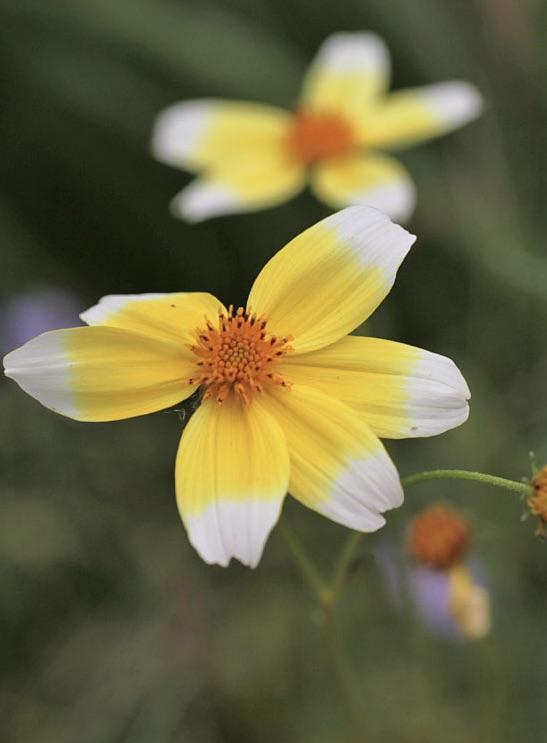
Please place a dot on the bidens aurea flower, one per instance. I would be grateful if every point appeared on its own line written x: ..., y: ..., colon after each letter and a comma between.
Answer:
x: 289, y: 401
x: 251, y: 156
x: 447, y: 594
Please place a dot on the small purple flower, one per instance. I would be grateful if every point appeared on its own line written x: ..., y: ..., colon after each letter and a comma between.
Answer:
x: 36, y: 311
x: 430, y: 590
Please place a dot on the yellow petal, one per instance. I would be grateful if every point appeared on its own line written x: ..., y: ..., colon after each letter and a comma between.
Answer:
x: 101, y: 373
x: 374, y: 180
x: 469, y: 604
x: 401, y: 391
x: 409, y: 116
x: 329, y: 279
x: 338, y: 466
x: 205, y: 133
x: 172, y: 317
x: 268, y: 178
x: 349, y: 71
x: 232, y: 475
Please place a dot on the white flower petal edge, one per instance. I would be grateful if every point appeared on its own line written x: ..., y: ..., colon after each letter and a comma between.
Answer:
x: 452, y: 103
x: 231, y: 475
x: 349, y: 70
x: 362, y: 492
x: 397, y: 199
x: 232, y: 529
x: 339, y: 468
x: 203, y: 199
x: 377, y: 181
x: 178, y: 131
x: 110, y: 304
x: 354, y: 51
x: 331, y: 277
x: 41, y: 368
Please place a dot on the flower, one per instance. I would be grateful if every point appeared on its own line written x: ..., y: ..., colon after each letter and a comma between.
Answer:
x: 251, y: 156
x: 35, y: 311
x: 289, y: 400
x: 448, y: 598
x: 537, y: 502
x: 439, y: 537
x: 451, y: 603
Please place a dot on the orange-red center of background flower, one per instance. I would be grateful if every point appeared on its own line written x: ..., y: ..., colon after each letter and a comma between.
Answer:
x: 316, y: 136
x: 438, y: 537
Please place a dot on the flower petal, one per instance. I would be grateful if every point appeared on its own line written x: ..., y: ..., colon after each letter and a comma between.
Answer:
x: 232, y: 475
x: 269, y: 178
x: 330, y: 278
x: 101, y: 374
x: 409, y: 116
x: 401, y: 391
x: 349, y: 70
x: 374, y: 180
x: 204, y: 133
x: 338, y: 466
x: 173, y: 317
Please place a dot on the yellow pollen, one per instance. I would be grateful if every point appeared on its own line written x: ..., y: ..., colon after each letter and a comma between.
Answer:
x: 238, y: 356
x: 314, y: 137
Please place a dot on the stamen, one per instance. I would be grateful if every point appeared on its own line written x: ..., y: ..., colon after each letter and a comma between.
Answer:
x: 237, y: 356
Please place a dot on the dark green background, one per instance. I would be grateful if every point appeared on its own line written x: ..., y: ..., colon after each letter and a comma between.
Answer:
x: 113, y: 629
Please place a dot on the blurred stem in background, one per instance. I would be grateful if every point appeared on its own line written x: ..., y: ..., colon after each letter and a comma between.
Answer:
x: 327, y: 593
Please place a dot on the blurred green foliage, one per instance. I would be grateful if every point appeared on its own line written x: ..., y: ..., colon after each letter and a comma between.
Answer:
x: 113, y: 630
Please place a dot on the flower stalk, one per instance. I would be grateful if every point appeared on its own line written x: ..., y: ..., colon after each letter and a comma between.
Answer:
x: 327, y: 593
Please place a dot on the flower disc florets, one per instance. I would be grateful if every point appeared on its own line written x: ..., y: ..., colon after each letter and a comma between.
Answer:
x: 238, y: 356
x: 538, y: 500
x: 439, y: 537
x: 316, y: 136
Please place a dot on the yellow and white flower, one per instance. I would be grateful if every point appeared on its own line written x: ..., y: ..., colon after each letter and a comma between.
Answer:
x: 290, y: 401
x: 251, y: 156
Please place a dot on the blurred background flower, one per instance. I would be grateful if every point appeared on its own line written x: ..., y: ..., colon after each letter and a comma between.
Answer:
x: 32, y: 312
x: 116, y: 631
x: 449, y: 598
x: 253, y: 156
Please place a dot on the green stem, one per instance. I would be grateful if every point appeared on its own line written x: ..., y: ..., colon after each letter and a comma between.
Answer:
x: 342, y: 565
x: 309, y: 572
x: 326, y: 596
x: 498, y: 482
x: 354, y: 539
x: 343, y: 673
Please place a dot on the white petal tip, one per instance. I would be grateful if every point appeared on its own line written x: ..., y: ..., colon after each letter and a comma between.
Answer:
x: 361, y: 226
x: 367, y: 488
x: 177, y: 131
x: 396, y: 200
x: 199, y: 202
x: 230, y: 530
x: 344, y: 51
x: 40, y: 367
x: 454, y: 103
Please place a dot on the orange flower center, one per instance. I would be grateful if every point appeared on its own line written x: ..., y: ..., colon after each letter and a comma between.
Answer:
x: 238, y: 356
x: 438, y: 537
x: 538, y: 500
x: 314, y: 137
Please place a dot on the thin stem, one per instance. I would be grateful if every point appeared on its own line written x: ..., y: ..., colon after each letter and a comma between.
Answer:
x: 326, y: 596
x: 342, y: 565
x: 499, y: 482
x: 343, y: 672
x: 353, y: 541
x: 309, y: 572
